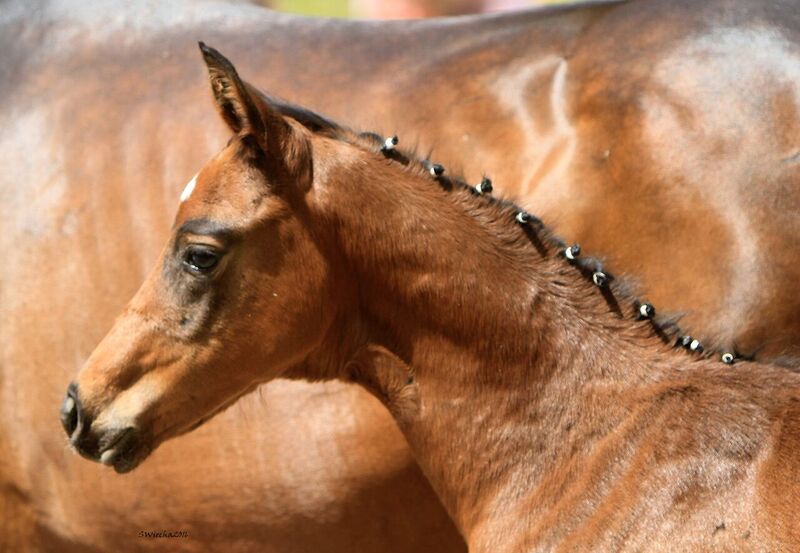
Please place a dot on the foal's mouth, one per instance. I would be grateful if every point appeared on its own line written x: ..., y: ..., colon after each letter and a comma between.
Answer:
x: 124, y: 450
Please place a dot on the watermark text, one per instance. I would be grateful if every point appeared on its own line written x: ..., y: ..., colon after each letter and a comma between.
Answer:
x: 163, y: 534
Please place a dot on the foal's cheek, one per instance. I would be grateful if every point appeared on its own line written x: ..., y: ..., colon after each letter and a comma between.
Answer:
x: 281, y: 327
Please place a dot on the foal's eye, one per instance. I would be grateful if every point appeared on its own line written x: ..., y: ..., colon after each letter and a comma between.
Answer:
x: 201, y: 259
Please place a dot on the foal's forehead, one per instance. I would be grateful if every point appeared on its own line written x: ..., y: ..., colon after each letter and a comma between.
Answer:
x: 226, y: 189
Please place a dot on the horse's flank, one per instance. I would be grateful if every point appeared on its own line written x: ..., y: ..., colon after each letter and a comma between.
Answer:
x: 614, y: 121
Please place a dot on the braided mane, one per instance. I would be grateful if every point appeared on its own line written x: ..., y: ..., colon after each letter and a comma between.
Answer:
x: 619, y: 293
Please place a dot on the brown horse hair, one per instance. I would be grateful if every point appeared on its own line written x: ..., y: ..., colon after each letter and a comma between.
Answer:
x: 620, y: 294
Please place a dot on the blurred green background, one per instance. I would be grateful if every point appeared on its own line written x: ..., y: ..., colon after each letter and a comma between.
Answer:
x: 328, y: 8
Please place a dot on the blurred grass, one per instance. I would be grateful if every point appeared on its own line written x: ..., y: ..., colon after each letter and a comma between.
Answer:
x: 326, y: 8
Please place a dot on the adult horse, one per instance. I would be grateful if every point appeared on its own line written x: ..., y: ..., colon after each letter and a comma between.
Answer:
x: 654, y: 132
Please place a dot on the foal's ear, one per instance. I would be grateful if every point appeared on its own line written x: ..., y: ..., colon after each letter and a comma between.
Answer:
x: 247, y: 113
x: 237, y: 104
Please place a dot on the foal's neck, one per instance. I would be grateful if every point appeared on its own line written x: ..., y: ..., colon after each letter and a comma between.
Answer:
x: 490, y: 353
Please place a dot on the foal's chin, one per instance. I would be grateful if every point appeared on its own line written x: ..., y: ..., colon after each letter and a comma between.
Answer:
x: 131, y: 446
x: 127, y: 449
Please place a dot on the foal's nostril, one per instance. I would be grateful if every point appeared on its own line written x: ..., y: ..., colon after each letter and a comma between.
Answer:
x: 70, y: 411
x: 77, y: 424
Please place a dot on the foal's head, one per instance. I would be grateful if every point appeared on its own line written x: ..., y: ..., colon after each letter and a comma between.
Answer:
x: 243, y: 291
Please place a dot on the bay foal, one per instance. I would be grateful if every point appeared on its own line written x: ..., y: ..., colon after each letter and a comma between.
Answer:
x: 547, y: 407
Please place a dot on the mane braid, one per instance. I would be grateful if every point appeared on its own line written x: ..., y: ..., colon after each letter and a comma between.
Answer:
x: 618, y: 293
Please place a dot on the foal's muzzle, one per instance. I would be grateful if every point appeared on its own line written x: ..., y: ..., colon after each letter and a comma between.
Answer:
x: 117, y: 448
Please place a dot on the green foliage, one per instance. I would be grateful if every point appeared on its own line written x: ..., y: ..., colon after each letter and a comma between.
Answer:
x: 325, y: 8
